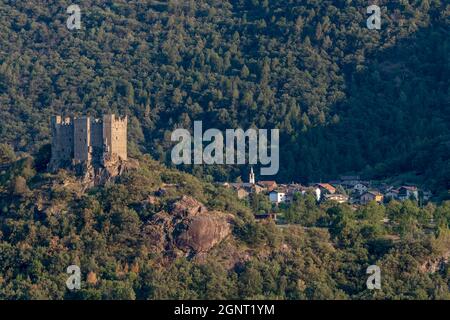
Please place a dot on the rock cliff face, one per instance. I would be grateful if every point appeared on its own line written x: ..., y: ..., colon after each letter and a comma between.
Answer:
x: 187, y: 229
x: 203, y: 232
x: 111, y: 169
x: 437, y: 264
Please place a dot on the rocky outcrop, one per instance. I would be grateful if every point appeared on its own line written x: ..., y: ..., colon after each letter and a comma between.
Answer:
x: 187, y: 229
x: 187, y: 206
x: 95, y: 176
x: 437, y: 264
x: 157, y: 233
x: 203, y: 232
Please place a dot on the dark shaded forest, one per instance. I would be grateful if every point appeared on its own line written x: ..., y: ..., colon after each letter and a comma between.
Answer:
x: 346, y: 98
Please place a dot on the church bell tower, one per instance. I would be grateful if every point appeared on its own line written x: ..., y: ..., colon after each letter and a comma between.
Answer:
x: 251, y: 176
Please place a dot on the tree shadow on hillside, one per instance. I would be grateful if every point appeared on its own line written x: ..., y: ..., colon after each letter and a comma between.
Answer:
x: 395, y: 119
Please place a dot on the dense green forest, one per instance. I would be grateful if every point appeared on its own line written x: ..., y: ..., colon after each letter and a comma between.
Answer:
x: 48, y: 223
x: 346, y: 98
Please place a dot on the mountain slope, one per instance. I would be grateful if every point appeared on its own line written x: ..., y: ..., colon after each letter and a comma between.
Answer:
x: 346, y: 99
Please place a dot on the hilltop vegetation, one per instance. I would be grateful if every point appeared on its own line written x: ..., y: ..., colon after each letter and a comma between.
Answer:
x: 344, y: 97
x: 47, y: 223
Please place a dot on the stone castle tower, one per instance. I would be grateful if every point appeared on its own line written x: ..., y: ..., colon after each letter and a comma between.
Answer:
x: 88, y: 141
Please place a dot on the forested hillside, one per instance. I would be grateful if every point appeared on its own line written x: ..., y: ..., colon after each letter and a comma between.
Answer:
x: 347, y: 99
x: 128, y: 239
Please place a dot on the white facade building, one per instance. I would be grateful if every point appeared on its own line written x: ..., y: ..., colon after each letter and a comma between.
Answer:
x: 277, y: 197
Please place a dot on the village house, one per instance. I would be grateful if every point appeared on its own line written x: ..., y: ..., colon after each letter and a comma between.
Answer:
x: 360, y: 188
x: 391, y: 194
x: 295, y: 187
x: 339, y: 198
x: 268, y: 185
x: 266, y: 217
x: 408, y: 192
x: 325, y: 188
x: 244, y: 189
x: 371, y: 196
x: 292, y: 189
x: 321, y: 189
x: 277, y: 196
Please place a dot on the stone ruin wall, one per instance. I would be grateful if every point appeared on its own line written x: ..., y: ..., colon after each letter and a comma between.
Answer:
x: 62, y: 140
x: 85, y: 139
x: 82, y: 139
x: 115, y: 133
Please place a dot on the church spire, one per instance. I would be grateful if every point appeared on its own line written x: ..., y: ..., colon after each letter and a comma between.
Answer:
x: 251, y: 176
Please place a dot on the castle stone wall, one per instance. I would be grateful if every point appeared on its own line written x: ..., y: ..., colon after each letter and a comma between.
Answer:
x: 115, y: 133
x: 62, y: 140
x: 119, y: 138
x: 82, y: 139
x: 87, y: 140
x: 97, y: 134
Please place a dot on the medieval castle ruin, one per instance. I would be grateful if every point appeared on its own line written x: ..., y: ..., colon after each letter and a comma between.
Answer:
x: 87, y: 141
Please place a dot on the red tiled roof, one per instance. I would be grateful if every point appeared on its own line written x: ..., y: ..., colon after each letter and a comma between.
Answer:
x: 412, y: 188
x: 267, y: 183
x: 327, y: 186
